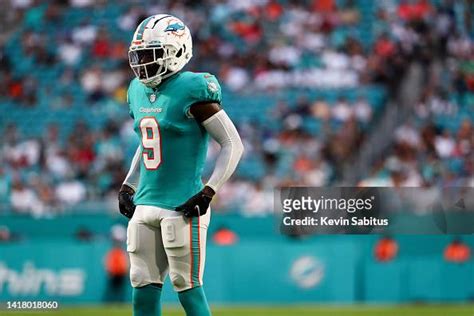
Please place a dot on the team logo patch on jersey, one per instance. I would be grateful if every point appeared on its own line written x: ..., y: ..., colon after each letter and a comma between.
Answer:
x: 212, y: 86
x: 152, y: 97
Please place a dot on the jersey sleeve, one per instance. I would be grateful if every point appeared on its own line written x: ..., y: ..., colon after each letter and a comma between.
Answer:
x: 129, y: 100
x: 205, y: 88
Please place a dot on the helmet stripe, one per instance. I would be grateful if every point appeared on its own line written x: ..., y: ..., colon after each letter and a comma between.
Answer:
x: 141, y: 28
x: 166, y: 16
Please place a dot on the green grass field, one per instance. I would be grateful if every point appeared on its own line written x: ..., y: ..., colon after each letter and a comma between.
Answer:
x: 408, y: 310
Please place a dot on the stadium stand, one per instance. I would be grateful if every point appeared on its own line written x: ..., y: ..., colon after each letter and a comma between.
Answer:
x: 304, y: 101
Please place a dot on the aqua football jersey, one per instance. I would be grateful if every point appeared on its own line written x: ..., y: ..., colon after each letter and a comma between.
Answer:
x: 174, y: 144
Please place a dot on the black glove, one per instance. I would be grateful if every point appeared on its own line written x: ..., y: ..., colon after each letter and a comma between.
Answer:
x: 198, y: 204
x: 125, y: 197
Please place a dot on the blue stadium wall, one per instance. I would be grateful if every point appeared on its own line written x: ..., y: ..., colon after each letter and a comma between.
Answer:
x: 262, y: 267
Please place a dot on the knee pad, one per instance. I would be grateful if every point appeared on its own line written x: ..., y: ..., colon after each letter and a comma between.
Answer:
x: 182, y: 282
x: 137, y: 277
x: 179, y: 282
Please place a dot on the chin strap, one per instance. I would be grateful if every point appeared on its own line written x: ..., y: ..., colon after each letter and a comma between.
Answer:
x: 156, y: 82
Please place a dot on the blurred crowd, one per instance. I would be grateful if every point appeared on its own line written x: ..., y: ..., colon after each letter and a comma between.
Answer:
x: 59, y: 173
x: 68, y: 56
x: 435, y: 145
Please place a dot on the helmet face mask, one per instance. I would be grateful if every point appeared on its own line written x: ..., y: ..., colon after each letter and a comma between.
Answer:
x: 161, y: 46
x: 148, y: 63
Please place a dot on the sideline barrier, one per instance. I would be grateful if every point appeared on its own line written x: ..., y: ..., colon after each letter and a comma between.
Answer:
x: 329, y: 269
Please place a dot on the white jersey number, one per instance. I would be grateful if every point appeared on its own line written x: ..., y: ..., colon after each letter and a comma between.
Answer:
x: 151, y: 142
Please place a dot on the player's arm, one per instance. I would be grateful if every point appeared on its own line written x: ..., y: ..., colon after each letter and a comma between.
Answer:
x: 129, y: 186
x: 221, y: 129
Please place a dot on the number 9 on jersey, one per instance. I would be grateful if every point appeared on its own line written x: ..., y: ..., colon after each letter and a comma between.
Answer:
x: 151, y: 142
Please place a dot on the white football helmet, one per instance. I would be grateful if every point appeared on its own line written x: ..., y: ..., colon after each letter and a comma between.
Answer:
x: 161, y: 46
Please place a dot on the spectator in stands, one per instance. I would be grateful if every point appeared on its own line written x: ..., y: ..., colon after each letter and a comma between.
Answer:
x: 414, y: 10
x: 320, y: 109
x: 342, y: 111
x: 69, y: 52
x: 385, y: 47
x: 362, y: 110
x: 5, y: 187
x: 92, y: 81
x: 262, y: 45
x: 70, y: 191
x: 24, y: 199
x: 259, y: 201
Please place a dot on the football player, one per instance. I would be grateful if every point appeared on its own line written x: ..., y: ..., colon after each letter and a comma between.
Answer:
x: 174, y: 113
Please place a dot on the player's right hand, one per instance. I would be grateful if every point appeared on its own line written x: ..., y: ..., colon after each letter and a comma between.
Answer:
x: 125, y: 197
x: 198, y: 204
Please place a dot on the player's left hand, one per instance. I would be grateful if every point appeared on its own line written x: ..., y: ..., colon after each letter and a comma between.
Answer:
x: 198, y: 204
